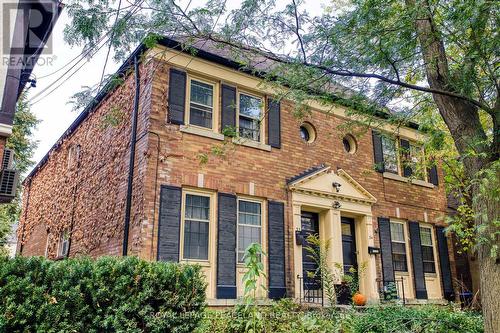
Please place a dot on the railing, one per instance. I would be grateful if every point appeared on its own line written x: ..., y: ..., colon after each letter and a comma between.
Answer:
x: 310, y: 291
x: 400, y: 290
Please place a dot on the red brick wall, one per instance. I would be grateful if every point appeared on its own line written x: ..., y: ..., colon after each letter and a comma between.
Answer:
x: 178, y: 164
x: 93, y: 194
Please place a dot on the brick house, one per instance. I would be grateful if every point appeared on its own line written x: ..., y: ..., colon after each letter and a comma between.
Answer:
x: 278, y: 181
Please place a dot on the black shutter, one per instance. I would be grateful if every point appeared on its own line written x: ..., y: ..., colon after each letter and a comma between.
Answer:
x: 418, y: 264
x: 176, y: 96
x: 384, y: 231
x: 169, y: 223
x: 433, y: 175
x: 444, y: 264
x: 228, y: 97
x: 274, y: 124
x: 226, y: 247
x: 378, y: 155
x: 405, y: 154
x: 276, y: 240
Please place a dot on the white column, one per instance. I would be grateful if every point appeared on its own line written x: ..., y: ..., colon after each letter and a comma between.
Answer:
x: 370, y: 278
x: 297, y: 250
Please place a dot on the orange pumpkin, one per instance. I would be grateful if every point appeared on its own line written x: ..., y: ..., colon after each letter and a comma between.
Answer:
x: 359, y: 299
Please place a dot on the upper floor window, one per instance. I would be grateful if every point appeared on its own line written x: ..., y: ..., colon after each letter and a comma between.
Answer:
x: 63, y: 247
x: 398, y: 247
x: 427, y: 250
x: 196, y: 226
x: 249, y: 119
x: 201, y: 103
x: 389, y: 151
x: 249, y: 225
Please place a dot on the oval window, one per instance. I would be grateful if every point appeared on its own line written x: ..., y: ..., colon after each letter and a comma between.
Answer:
x: 307, y: 132
x: 349, y: 144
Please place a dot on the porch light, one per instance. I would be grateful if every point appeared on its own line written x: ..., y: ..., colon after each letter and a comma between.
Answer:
x: 337, y: 186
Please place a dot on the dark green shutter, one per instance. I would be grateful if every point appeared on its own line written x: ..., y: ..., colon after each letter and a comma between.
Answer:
x: 417, y: 261
x: 444, y: 264
x: 228, y: 98
x: 226, y: 246
x: 276, y: 241
x: 378, y: 155
x: 176, y: 96
x: 433, y: 175
x: 274, y: 124
x: 169, y: 223
x: 384, y: 231
x: 405, y: 154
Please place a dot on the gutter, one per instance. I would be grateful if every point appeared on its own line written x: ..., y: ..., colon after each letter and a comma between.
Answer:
x: 133, y: 140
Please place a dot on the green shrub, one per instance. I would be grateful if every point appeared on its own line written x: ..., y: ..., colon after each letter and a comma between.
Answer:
x: 424, y: 318
x: 103, y: 295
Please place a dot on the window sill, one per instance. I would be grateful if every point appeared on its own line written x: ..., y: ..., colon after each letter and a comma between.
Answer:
x: 251, y: 144
x: 203, y: 263
x: 430, y: 275
x: 401, y: 273
x: 201, y: 132
x: 393, y: 176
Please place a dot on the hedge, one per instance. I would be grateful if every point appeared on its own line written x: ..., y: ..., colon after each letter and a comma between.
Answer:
x: 103, y: 295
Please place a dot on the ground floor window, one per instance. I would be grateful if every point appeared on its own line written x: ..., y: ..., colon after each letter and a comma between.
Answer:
x: 398, y: 247
x: 427, y: 250
x: 249, y: 225
x: 196, y: 225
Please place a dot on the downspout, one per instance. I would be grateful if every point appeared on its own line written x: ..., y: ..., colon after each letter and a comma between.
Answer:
x: 75, y: 191
x: 133, y: 138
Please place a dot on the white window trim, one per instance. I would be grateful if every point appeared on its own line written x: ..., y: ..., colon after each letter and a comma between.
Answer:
x: 262, y: 120
x: 261, y: 226
x: 211, y: 222
x: 215, y: 104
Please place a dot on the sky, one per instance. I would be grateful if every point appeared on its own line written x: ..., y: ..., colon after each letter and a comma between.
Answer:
x: 53, y: 110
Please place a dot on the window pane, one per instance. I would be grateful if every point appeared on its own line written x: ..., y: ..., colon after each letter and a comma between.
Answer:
x: 249, y: 128
x: 390, y: 156
x: 425, y: 236
x: 397, y: 232
x: 249, y: 213
x: 250, y: 106
x: 201, y: 93
x: 197, y: 207
x: 427, y: 253
x: 195, y: 240
x: 398, y: 247
x: 429, y: 267
x: 200, y: 116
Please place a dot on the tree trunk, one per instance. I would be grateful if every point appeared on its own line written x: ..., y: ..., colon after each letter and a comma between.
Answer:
x: 462, y: 119
x: 488, y: 210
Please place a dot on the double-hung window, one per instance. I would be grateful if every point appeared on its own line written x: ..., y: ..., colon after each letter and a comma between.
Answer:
x: 196, y: 226
x: 250, y: 113
x: 427, y: 250
x: 201, y: 103
x: 390, y: 154
x: 416, y: 161
x: 249, y: 225
x: 398, y: 247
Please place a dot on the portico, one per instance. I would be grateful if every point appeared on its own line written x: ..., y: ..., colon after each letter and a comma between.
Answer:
x: 341, y: 213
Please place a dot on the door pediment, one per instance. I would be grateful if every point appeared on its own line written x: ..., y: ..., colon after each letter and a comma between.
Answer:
x: 327, y: 183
